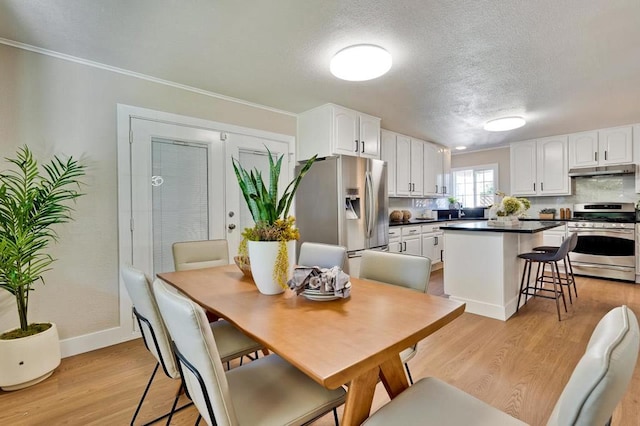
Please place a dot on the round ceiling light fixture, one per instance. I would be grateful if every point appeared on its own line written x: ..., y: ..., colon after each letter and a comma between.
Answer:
x: 360, y: 62
x: 504, y: 124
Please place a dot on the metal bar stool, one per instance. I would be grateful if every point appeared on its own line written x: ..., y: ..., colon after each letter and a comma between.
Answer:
x: 543, y: 259
x: 567, y: 278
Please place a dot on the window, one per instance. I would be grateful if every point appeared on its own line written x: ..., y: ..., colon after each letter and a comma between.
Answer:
x: 475, y: 186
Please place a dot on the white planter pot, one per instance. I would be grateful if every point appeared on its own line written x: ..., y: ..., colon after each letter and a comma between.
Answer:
x: 262, y: 255
x: 29, y: 360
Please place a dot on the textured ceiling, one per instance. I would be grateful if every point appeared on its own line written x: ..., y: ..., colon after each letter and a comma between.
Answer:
x: 565, y: 66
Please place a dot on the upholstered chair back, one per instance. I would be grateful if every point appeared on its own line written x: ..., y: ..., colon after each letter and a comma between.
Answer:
x: 398, y: 269
x: 191, y: 333
x: 144, y: 302
x: 200, y: 254
x: 603, y: 373
x: 322, y: 255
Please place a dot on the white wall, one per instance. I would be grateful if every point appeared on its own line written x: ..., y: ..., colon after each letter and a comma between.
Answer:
x: 61, y: 107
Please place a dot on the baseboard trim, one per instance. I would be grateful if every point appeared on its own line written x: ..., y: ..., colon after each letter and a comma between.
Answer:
x: 98, y: 340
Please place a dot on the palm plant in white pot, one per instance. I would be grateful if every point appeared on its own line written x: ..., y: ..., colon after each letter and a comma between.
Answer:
x: 270, y: 244
x: 32, y: 201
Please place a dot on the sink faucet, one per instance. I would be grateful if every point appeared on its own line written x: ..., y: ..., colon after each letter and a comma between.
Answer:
x: 460, y: 212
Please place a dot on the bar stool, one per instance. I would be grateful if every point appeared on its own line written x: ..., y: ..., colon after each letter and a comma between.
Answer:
x: 568, y: 278
x: 543, y: 259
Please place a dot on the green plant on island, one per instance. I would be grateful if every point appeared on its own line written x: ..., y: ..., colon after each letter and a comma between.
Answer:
x: 270, y: 212
x: 32, y: 201
x: 512, y: 206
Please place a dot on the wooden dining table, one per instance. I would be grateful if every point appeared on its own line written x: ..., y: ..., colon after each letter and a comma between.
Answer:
x: 352, y: 341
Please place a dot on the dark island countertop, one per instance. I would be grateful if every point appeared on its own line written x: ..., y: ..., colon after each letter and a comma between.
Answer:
x: 428, y: 221
x: 524, y: 227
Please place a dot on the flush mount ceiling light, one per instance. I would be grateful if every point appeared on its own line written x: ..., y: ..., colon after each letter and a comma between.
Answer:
x: 461, y: 148
x: 504, y: 124
x: 360, y: 62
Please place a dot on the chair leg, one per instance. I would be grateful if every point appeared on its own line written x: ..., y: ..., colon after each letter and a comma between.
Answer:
x: 335, y: 417
x: 567, y: 278
x: 198, y: 420
x: 527, y: 264
x: 564, y: 301
x: 406, y: 367
x: 555, y: 292
x: 573, y: 278
x: 144, y: 394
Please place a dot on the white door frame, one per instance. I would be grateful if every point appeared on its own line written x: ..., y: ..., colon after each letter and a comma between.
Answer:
x: 127, y: 329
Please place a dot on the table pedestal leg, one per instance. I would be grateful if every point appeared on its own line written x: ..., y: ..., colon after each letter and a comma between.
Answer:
x: 393, y: 377
x: 360, y: 398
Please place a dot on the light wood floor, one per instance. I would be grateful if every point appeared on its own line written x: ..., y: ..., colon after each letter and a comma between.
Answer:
x: 519, y: 366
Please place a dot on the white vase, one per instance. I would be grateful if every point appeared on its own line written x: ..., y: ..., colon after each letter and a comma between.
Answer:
x: 29, y: 360
x: 262, y: 255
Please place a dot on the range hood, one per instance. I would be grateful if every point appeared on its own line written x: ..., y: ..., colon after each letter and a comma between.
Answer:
x: 603, y: 171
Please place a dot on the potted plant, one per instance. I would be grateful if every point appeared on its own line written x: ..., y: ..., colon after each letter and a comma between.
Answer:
x: 547, y: 213
x: 452, y: 202
x: 509, y: 209
x: 32, y: 200
x: 270, y: 244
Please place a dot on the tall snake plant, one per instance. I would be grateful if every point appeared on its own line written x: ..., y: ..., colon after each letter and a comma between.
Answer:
x: 31, y: 202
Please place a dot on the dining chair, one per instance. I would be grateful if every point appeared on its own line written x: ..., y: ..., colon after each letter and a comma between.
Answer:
x: 231, y: 342
x: 593, y: 391
x: 398, y: 269
x: 267, y: 391
x: 189, y: 255
x: 322, y: 255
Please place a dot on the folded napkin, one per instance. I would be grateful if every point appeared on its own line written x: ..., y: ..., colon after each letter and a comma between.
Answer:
x: 327, y: 281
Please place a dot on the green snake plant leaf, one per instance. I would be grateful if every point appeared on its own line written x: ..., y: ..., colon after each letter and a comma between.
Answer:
x: 296, y: 182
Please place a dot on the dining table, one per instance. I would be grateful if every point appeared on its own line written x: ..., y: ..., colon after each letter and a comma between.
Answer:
x: 352, y: 342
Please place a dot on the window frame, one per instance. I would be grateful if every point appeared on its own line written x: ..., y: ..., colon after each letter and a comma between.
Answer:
x: 474, y: 169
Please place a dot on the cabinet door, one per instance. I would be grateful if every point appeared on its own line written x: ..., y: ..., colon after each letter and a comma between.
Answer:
x: 552, y: 238
x: 403, y: 165
x: 446, y: 172
x: 345, y: 131
x: 388, y: 154
x: 553, y: 166
x: 429, y: 247
x: 583, y: 150
x: 395, y: 246
x: 523, y: 168
x: 412, y: 245
x: 439, y: 248
x: 615, y: 146
x: 432, y: 167
x: 369, y: 136
x: 417, y: 167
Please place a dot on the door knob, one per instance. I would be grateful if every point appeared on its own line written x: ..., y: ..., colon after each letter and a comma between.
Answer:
x: 232, y: 226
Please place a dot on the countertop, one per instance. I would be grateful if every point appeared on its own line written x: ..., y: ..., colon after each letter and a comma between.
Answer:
x: 525, y: 227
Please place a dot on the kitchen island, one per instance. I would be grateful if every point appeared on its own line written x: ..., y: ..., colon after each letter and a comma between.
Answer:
x: 482, y: 268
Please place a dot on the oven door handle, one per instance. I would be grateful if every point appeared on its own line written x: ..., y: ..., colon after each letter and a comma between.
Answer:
x: 596, y: 266
x: 602, y: 231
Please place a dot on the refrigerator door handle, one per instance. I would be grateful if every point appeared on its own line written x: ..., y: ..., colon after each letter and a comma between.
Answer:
x: 370, y: 203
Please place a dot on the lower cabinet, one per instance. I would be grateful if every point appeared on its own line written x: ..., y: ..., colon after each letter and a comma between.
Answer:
x: 433, y: 246
x: 405, y: 239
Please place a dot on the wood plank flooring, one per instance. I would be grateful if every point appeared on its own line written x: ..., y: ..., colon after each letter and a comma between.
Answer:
x: 519, y: 366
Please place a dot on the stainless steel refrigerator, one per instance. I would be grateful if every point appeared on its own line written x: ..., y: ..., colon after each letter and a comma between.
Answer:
x: 343, y: 200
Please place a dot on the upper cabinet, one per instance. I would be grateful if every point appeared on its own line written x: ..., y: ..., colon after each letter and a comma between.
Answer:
x: 540, y: 167
x: 333, y: 130
x: 606, y: 147
x: 416, y: 168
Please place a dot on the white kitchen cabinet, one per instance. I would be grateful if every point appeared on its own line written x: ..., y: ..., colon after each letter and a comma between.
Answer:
x: 405, y: 239
x: 540, y: 167
x: 331, y: 130
x: 432, y: 169
x: 433, y: 246
x: 606, y: 147
x: 388, y: 154
x: 409, y: 166
x: 445, y: 177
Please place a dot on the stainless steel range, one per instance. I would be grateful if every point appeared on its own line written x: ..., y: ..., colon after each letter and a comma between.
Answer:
x: 606, y: 240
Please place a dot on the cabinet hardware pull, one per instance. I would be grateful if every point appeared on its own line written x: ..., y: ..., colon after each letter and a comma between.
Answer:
x: 400, y: 250
x: 534, y: 186
x: 541, y: 186
x: 435, y: 241
x: 595, y: 155
x: 362, y: 151
x: 405, y: 246
x: 356, y: 146
x: 436, y: 188
x: 409, y: 186
x: 441, y: 253
x: 605, y: 156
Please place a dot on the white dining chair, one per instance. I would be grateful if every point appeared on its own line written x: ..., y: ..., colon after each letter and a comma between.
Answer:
x: 595, y: 388
x: 322, y: 255
x: 231, y: 342
x: 398, y: 269
x: 267, y: 391
x: 189, y: 255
